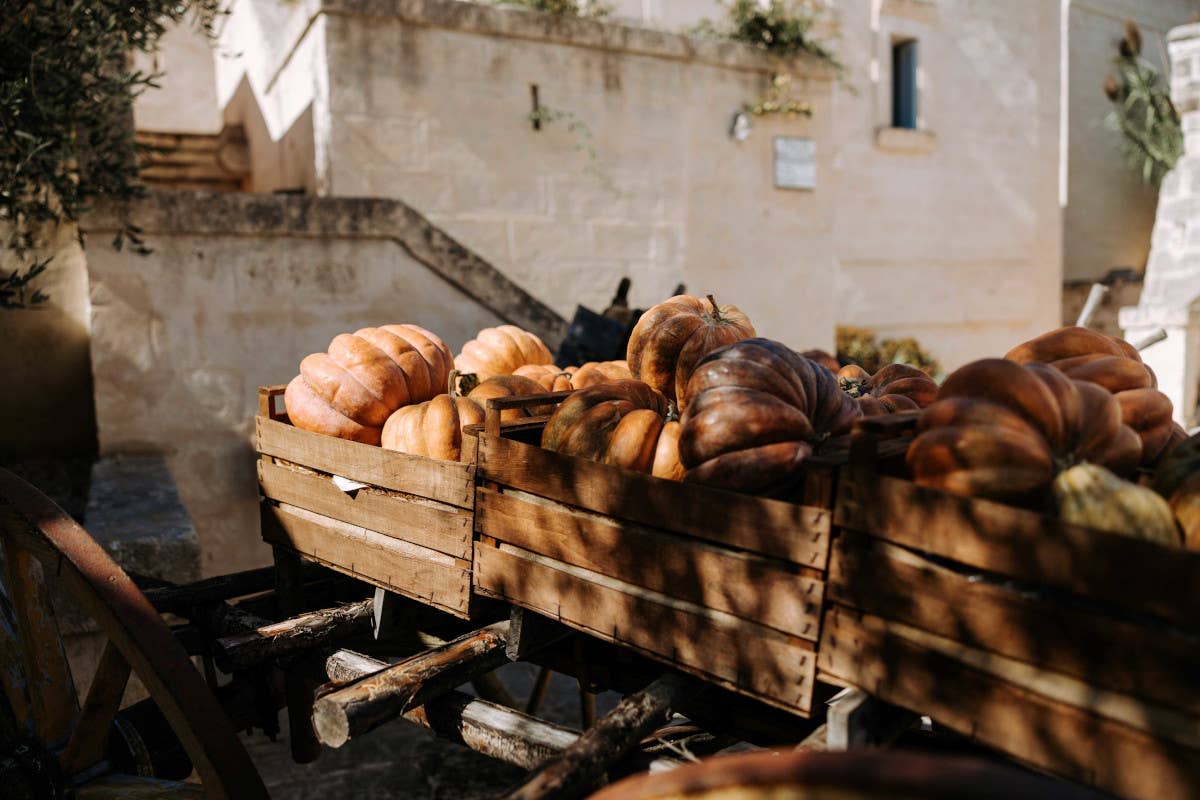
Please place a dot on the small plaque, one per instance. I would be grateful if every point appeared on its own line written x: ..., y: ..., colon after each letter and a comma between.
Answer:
x: 795, y: 163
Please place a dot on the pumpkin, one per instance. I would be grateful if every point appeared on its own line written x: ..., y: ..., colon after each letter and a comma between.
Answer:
x: 1090, y: 495
x: 756, y: 412
x: 1177, y: 478
x: 1069, y: 342
x: 351, y: 390
x: 670, y: 340
x: 548, y: 376
x: 1115, y: 364
x: 622, y: 423
x: 895, y: 387
x: 433, y: 428
x: 501, y: 351
x: 509, y: 386
x: 1002, y: 430
x: 595, y: 372
x: 823, y: 358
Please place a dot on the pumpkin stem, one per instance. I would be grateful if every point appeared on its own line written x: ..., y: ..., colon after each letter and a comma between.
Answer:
x: 716, y: 309
x: 672, y: 411
x: 461, y: 383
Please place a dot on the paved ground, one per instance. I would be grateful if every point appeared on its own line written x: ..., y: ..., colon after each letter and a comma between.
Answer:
x: 401, y: 760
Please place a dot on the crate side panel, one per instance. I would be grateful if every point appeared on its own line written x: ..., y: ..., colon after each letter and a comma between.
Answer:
x: 425, y: 575
x: 766, y: 591
x: 445, y: 481
x: 795, y: 533
x: 438, y: 526
x: 746, y: 658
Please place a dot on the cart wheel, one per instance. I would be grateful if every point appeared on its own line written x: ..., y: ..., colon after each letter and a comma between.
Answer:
x: 854, y: 775
x: 50, y: 744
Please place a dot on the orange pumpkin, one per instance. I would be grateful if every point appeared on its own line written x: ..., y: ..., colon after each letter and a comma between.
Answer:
x: 548, y: 376
x: 509, y: 386
x: 595, y: 372
x: 501, y: 351
x: 670, y: 339
x: 433, y: 428
x: 622, y: 423
x: 1113, y: 363
x: 757, y: 411
x: 895, y: 387
x: 1003, y: 431
x: 351, y: 390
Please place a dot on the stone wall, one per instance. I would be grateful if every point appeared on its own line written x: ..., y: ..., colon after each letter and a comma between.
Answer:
x: 238, y: 289
x: 951, y: 233
x: 634, y: 173
x: 46, y: 396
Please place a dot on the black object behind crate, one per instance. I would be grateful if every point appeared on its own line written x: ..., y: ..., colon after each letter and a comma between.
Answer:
x: 601, y: 337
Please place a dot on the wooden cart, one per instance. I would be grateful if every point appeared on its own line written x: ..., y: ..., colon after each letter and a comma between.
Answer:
x: 745, y: 614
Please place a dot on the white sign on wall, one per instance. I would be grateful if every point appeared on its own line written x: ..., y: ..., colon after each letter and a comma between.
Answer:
x: 795, y: 163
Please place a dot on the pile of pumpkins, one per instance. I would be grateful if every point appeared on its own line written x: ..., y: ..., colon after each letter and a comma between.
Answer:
x: 1069, y: 420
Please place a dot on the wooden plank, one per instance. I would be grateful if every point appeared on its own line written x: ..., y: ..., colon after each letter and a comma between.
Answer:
x: 293, y: 635
x: 53, y: 700
x: 1028, y: 726
x: 413, y: 571
x: 1131, y: 657
x: 747, y: 586
x: 445, y: 481
x: 438, y: 526
x: 772, y: 527
x: 1028, y: 546
x: 734, y: 653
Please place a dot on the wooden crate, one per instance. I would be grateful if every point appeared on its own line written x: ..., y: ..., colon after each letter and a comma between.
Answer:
x: 1073, y: 650
x: 409, y: 530
x: 724, y: 586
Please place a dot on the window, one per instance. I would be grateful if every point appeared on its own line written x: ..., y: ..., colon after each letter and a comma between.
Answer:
x: 904, y: 84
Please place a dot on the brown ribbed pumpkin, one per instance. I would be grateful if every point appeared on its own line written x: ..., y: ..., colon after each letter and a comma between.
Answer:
x: 757, y: 410
x: 622, y: 423
x: 895, y: 387
x: 509, y: 386
x: 1115, y: 364
x: 351, y: 390
x: 501, y: 351
x: 594, y: 372
x: 671, y: 338
x: 1003, y: 431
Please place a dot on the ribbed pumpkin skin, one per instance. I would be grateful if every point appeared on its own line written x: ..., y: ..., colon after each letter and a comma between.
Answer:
x: 1092, y: 496
x: 895, y: 387
x: 509, y: 386
x: 825, y: 359
x: 594, y: 372
x: 618, y: 423
x: 501, y: 351
x: 1086, y: 355
x: 350, y: 390
x: 666, y: 453
x: 757, y: 410
x: 1003, y: 431
x: 548, y: 376
x: 670, y: 340
x: 433, y: 428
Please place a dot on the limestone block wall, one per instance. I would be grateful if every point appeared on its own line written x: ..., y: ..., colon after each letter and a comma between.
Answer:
x: 952, y: 232
x: 237, y: 291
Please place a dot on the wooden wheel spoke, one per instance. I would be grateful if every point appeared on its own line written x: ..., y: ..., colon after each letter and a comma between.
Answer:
x: 53, y: 702
x: 18, y: 716
x: 90, y: 736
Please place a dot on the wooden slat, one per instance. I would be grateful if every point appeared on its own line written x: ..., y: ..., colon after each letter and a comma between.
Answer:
x: 751, y: 587
x: 733, y: 653
x: 1138, y: 659
x: 53, y: 699
x: 438, y: 526
x: 422, y: 574
x: 445, y: 481
x: 1129, y: 573
x: 1028, y: 726
x: 792, y: 532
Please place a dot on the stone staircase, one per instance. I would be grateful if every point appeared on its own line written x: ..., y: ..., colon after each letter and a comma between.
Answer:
x: 217, y: 162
